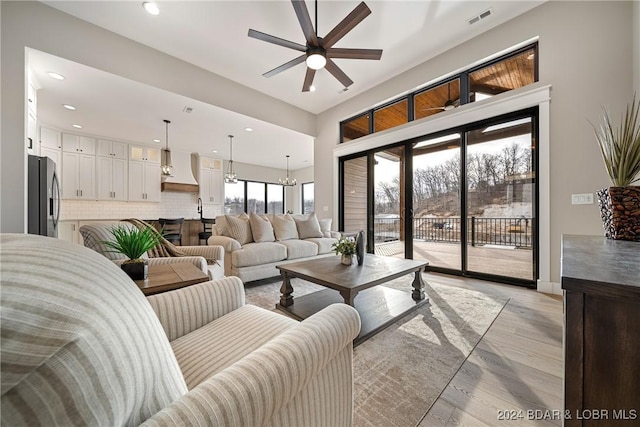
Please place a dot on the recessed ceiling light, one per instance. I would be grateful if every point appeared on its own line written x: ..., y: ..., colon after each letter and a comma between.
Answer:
x: 55, y: 75
x: 77, y: 126
x: 531, y: 56
x: 215, y: 151
x: 312, y: 88
x: 151, y: 7
x: 69, y: 107
x: 249, y: 129
x: 156, y: 140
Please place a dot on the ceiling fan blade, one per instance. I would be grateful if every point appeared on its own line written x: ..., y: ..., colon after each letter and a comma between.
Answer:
x: 338, y: 73
x: 305, y: 21
x: 351, y: 20
x: 276, y: 40
x: 336, y: 52
x: 300, y: 59
x: 308, y: 79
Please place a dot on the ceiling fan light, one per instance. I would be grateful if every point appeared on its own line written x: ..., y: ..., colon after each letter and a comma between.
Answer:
x: 316, y: 61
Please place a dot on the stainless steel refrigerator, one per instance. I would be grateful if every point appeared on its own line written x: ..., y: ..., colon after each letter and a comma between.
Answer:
x: 43, y: 197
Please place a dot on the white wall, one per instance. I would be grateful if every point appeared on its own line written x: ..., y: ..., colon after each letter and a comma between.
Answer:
x: 584, y: 54
x: 35, y: 25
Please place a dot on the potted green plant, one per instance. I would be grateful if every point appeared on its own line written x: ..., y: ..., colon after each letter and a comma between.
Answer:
x: 345, y: 246
x: 134, y: 243
x: 620, y: 149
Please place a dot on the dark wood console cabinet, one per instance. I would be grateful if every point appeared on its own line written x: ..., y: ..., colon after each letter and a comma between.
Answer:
x: 601, y: 279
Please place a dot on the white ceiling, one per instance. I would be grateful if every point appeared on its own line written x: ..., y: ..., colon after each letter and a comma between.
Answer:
x: 213, y: 35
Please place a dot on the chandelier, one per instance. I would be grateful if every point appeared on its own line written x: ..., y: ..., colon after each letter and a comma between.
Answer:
x: 230, y: 177
x: 166, y: 153
x: 287, y: 182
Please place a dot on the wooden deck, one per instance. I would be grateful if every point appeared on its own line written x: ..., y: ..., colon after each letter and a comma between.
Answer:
x: 499, y: 260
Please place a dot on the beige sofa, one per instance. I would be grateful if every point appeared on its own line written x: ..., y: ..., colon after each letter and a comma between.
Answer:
x: 255, y: 244
x: 209, y: 259
x: 81, y: 345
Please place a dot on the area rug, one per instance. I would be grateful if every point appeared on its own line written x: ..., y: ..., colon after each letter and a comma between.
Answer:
x: 400, y: 372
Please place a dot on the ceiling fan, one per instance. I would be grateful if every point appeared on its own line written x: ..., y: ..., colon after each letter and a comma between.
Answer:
x: 319, y: 51
x: 449, y: 105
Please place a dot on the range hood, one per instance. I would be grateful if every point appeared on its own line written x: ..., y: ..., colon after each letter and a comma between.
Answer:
x: 181, y: 179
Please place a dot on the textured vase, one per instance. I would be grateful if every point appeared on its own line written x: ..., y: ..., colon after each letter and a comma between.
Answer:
x: 620, y: 212
x: 136, y: 270
x: 360, y: 247
x: 347, y: 259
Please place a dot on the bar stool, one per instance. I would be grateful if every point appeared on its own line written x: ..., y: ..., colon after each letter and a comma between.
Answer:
x: 172, y: 229
x: 207, y: 223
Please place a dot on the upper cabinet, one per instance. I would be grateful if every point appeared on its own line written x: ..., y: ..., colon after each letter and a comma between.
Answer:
x: 78, y: 144
x: 145, y: 154
x: 209, y: 173
x: 113, y: 149
x: 50, y: 138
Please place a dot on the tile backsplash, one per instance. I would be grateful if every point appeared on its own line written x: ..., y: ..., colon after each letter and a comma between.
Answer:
x: 172, y: 205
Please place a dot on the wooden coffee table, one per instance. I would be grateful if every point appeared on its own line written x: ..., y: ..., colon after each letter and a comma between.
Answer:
x: 378, y: 306
x: 167, y: 277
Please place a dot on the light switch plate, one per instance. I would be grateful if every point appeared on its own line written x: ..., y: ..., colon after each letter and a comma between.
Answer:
x: 582, y: 199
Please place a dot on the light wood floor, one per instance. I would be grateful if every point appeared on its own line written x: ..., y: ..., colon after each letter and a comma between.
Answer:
x: 517, y: 365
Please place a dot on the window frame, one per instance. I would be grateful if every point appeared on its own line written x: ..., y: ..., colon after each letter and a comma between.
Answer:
x: 464, y: 89
x: 245, y: 184
x: 302, y: 197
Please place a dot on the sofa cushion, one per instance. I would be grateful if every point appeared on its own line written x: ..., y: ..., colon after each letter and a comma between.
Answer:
x: 324, y: 244
x: 300, y: 248
x: 80, y: 343
x: 217, y: 345
x: 325, y: 226
x: 308, y: 227
x: 261, y: 228
x: 239, y: 228
x: 258, y: 253
x: 95, y: 234
x: 284, y: 227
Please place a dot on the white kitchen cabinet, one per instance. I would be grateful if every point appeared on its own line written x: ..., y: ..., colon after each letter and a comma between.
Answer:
x: 144, y: 154
x: 144, y: 181
x: 210, y: 180
x: 78, y: 144
x: 68, y: 230
x: 50, y: 138
x: 33, y: 145
x: 78, y: 176
x: 117, y: 150
x: 111, y: 178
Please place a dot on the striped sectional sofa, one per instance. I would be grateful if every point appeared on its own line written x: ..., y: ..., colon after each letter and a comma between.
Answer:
x: 81, y: 345
x: 94, y: 234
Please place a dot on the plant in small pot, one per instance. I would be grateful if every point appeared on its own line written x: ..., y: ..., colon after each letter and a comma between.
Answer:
x: 620, y: 149
x: 345, y: 246
x: 134, y: 243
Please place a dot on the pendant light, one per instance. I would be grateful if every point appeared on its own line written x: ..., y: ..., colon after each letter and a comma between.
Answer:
x: 230, y: 177
x: 286, y: 182
x: 166, y: 154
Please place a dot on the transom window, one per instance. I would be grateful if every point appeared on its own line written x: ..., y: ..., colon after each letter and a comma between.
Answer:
x: 511, y: 71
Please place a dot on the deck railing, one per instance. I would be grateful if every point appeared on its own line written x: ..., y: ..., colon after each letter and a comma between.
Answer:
x: 481, y: 231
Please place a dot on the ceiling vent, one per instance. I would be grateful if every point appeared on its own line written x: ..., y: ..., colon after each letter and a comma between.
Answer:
x: 187, y: 110
x: 479, y: 17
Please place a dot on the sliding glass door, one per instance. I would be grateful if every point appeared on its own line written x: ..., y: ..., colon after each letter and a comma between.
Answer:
x: 464, y: 199
x: 500, y: 202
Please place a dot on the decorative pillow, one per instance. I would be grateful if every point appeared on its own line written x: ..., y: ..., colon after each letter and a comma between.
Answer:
x: 325, y: 227
x: 261, y: 228
x: 239, y: 228
x: 284, y: 227
x: 308, y: 228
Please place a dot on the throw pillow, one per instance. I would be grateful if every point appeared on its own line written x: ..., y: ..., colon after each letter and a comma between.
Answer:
x: 325, y: 227
x: 308, y: 228
x: 284, y: 227
x: 261, y: 228
x: 239, y: 228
